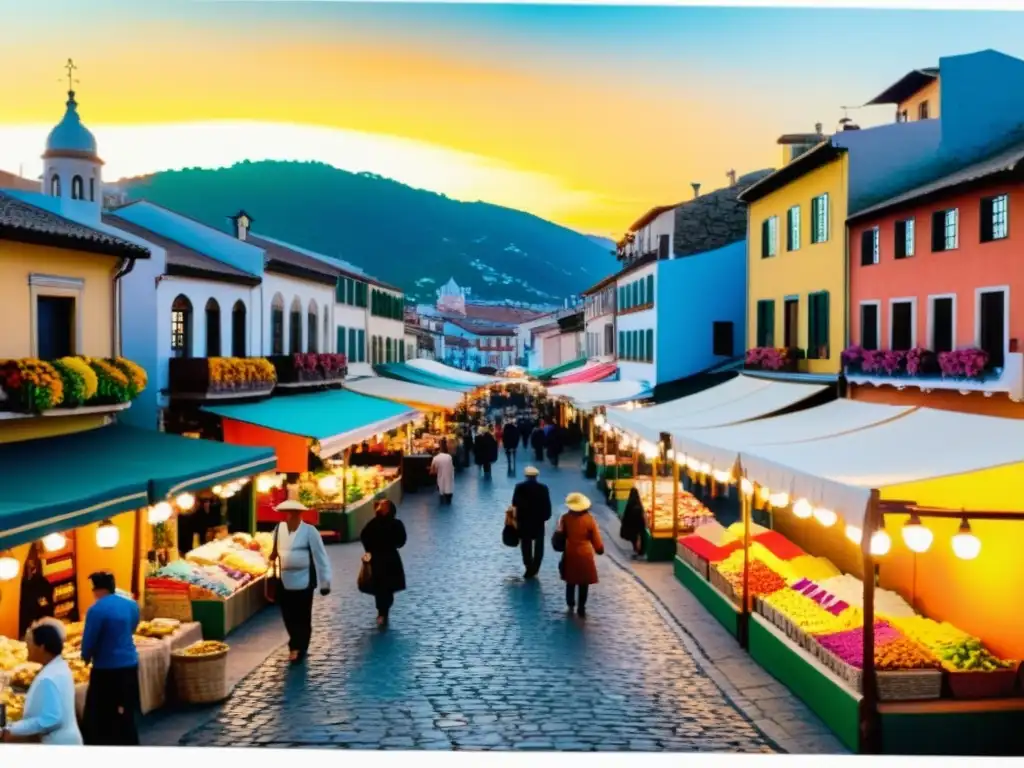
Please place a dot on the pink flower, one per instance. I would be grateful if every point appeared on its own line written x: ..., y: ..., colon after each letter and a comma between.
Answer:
x: 852, y: 354
x: 871, y: 361
x: 892, y: 361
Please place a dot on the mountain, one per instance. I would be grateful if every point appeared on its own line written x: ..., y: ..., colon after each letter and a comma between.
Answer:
x: 411, y: 238
x: 606, y: 243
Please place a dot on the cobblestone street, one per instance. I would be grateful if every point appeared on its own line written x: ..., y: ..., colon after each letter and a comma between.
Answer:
x: 476, y: 658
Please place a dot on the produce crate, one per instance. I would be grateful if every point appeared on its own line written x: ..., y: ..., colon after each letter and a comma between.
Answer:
x: 784, y: 624
x: 997, y: 684
x: 659, y: 549
x: 695, y: 561
x: 903, y: 685
x: 220, y: 616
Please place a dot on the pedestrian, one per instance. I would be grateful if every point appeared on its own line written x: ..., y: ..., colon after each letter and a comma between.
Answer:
x: 112, y: 700
x: 304, y: 566
x: 442, y: 467
x: 525, y: 427
x: 537, y: 441
x: 533, y: 509
x: 510, y: 441
x: 553, y: 442
x: 633, y: 522
x: 582, y: 542
x: 485, y: 449
x: 382, y: 537
x: 467, y: 442
x: 498, y: 428
x: 49, y: 713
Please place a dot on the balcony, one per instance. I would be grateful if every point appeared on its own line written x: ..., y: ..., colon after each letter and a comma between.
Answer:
x: 309, y: 370
x: 774, y: 359
x: 68, y: 386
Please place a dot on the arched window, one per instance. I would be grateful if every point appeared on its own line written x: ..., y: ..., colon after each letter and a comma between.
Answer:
x: 313, y: 327
x: 181, y: 327
x: 77, y: 188
x: 55, y: 186
x: 327, y: 330
x: 277, y: 325
x: 212, y: 328
x: 295, y: 327
x: 238, y: 329
x: 92, y: 190
x: 387, y: 354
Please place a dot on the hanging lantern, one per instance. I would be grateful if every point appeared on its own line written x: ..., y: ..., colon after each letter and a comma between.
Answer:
x: 185, y: 501
x: 9, y: 567
x: 916, y: 536
x: 779, y: 500
x: 217, y: 490
x: 159, y: 513
x: 746, y: 486
x: 966, y: 545
x: 107, y: 535
x: 54, y: 542
x: 880, y: 543
x: 265, y: 482
x: 854, y: 534
x: 721, y: 476
x: 803, y: 509
x: 764, y: 494
x: 825, y: 516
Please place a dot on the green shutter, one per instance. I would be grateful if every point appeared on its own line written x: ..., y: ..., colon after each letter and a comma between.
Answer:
x: 650, y: 345
x: 341, y: 340
x: 339, y: 290
x: 622, y: 344
x: 361, y: 346
x: 650, y: 289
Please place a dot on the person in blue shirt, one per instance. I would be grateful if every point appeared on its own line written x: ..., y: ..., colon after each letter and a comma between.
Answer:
x: 112, y: 701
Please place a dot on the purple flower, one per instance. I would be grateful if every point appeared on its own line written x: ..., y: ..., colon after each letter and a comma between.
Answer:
x: 871, y: 361
x: 892, y: 361
x: 852, y: 354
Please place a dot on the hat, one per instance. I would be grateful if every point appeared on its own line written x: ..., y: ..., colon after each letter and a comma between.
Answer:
x: 577, y: 502
x: 291, y: 505
x: 531, y: 471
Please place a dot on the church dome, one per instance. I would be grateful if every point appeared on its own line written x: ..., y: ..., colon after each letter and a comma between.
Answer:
x: 69, y: 135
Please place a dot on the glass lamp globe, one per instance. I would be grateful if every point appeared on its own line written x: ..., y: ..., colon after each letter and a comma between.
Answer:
x: 854, y: 534
x: 159, y: 513
x: 779, y: 500
x: 107, y: 535
x: 54, y: 542
x: 185, y: 501
x: 917, y: 538
x: 881, y: 543
x: 825, y: 516
x: 803, y: 509
x: 9, y: 568
x: 966, y: 545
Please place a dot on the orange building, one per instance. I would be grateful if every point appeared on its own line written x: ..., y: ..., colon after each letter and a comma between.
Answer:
x: 937, y: 270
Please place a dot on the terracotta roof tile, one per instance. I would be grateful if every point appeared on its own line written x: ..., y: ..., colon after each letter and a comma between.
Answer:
x: 14, y: 181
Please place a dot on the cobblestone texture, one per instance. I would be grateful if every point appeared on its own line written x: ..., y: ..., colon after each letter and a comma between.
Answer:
x: 478, y: 659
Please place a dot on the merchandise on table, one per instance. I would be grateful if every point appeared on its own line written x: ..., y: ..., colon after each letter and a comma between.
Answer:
x: 15, y: 703
x: 690, y: 512
x: 204, y: 648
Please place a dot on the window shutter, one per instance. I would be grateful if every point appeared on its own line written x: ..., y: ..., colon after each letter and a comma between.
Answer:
x: 650, y: 345
x: 789, y: 230
x: 764, y: 239
x: 986, y: 219
x: 341, y: 340
x: 650, y: 289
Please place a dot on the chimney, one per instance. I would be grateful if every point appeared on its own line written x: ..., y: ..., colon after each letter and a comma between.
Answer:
x: 732, y: 177
x: 243, y: 223
x: 696, y: 188
x: 817, y: 128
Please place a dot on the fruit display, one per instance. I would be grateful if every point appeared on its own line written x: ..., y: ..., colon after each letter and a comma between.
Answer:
x: 848, y: 645
x: 761, y: 580
x: 851, y: 589
x: 79, y: 670
x: 15, y: 703
x: 971, y: 656
x: 218, y: 578
x: 158, y: 628
x: 13, y: 653
x: 205, y: 648
x: 690, y: 512
x: 902, y: 654
x: 23, y: 675
x: 810, y: 617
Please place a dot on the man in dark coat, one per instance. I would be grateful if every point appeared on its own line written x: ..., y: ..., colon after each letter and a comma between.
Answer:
x: 554, y: 444
x: 525, y: 430
x: 537, y: 441
x: 485, y: 450
x: 533, y: 508
x: 510, y: 441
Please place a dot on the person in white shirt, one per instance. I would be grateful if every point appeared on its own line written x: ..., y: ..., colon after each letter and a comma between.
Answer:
x: 49, y: 715
x: 304, y: 565
x: 443, y: 468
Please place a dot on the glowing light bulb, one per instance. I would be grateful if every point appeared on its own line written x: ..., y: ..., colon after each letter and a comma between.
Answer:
x: 779, y: 500
x: 217, y: 490
x: 825, y: 516
x: 721, y: 476
x: 265, y: 482
x: 185, y: 501
x: 159, y: 513
x: 764, y: 494
x: 880, y: 543
x: 746, y: 486
x: 107, y: 535
x: 966, y: 545
x: 803, y: 509
x: 599, y: 421
x: 54, y: 542
x: 916, y: 536
x: 328, y: 484
x: 854, y: 534
x: 9, y: 567
x: 705, y: 468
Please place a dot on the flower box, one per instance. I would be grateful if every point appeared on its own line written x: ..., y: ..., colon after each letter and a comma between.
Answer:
x: 781, y: 359
x: 309, y: 368
x: 243, y: 376
x: 957, y: 365
x: 30, y: 386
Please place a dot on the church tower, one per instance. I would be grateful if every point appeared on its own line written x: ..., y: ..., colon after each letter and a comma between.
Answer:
x: 71, y: 166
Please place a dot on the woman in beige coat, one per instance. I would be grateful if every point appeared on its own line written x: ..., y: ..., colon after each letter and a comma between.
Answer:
x: 582, y: 541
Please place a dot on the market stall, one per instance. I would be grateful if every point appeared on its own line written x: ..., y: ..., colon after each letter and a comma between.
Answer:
x: 593, y: 371
x: 879, y: 597
x: 544, y: 374
x: 413, y: 375
x: 455, y: 374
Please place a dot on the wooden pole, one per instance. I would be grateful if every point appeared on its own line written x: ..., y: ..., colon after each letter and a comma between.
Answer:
x: 744, y: 622
x: 869, y: 736
x: 654, y: 492
x: 675, y: 497
x: 252, y: 505
x: 344, y: 477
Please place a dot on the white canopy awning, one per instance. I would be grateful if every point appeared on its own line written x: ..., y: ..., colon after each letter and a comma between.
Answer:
x: 455, y: 374
x: 926, y: 444
x: 587, y: 366
x: 359, y: 371
x: 597, y: 393
x: 406, y: 392
x: 721, y: 446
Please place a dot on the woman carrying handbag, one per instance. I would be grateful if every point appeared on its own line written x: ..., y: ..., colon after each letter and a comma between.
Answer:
x: 298, y: 563
x: 579, y: 539
x: 382, y: 572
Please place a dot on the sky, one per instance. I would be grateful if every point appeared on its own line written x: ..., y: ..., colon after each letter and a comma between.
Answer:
x: 583, y: 115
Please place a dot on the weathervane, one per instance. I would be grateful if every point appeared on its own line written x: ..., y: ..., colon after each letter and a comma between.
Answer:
x: 70, y: 67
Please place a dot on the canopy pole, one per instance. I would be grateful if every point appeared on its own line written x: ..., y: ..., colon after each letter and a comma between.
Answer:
x: 344, y: 477
x: 654, y: 493
x: 869, y: 736
x: 667, y: 440
x: 743, y: 626
x: 252, y: 506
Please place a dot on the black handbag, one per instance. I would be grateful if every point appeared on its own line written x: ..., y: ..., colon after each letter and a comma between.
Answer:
x: 364, y: 580
x: 558, y: 537
x: 510, y: 534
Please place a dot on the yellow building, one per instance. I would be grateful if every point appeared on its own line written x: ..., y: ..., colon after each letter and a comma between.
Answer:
x: 796, y: 255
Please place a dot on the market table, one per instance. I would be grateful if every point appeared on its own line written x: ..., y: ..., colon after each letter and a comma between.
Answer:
x: 154, y: 668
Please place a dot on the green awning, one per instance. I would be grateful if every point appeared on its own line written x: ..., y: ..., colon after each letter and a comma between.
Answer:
x: 547, y: 373
x: 336, y: 419
x: 55, y: 484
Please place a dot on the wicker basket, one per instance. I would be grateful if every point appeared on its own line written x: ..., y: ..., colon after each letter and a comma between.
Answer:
x: 200, y: 679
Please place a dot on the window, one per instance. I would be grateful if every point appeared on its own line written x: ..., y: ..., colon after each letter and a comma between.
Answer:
x: 992, y: 325
x: 238, y: 329
x: 361, y: 346
x: 766, y: 323
x: 341, y: 339
x: 77, y: 188
x: 942, y: 313
x: 650, y: 289
x: 869, y: 325
x: 277, y: 331
x: 55, y: 327
x: 819, y: 219
x: 55, y: 186
x: 901, y: 325
x: 664, y: 242
x: 994, y: 223
x: 722, y: 344
x: 903, y: 247
x: 769, y: 237
x: 312, y: 328
x: 327, y: 327
x: 181, y: 327
x: 791, y: 322
x: 92, y: 190
x: 295, y: 328
x: 922, y: 110
x: 793, y: 228
x: 869, y: 247
x: 636, y: 294
x: 387, y: 357
x: 817, y: 326
x: 945, y: 230
x: 609, y: 340
x: 212, y: 328
x: 650, y: 345
x: 902, y: 117
x: 622, y: 344
x: 642, y: 291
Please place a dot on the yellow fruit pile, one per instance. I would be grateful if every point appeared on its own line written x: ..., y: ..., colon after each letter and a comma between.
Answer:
x: 15, y: 703
x: 79, y: 671
x: 205, y: 648
x: 933, y: 635
x: 810, y: 616
x: 812, y: 568
x: 155, y: 629
x: 24, y: 675
x: 12, y: 654
x: 902, y: 654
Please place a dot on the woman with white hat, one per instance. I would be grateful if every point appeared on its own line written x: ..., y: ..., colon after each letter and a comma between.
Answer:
x: 304, y: 563
x: 582, y: 540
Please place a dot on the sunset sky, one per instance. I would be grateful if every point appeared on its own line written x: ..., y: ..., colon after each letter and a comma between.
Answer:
x: 583, y: 115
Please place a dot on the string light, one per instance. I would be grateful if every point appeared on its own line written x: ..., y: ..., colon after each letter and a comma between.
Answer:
x: 966, y: 545
x: 54, y: 542
x: 9, y: 567
x: 722, y: 476
x: 746, y: 486
x: 825, y: 516
x: 803, y: 509
x: 779, y: 500
x: 854, y: 534
x: 764, y: 494
x: 880, y: 543
x: 107, y: 535
x: 159, y: 513
x: 185, y: 501
x: 916, y: 536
